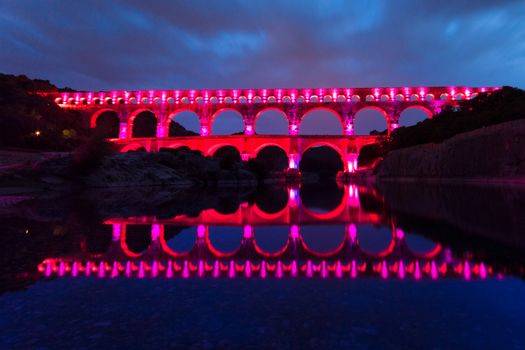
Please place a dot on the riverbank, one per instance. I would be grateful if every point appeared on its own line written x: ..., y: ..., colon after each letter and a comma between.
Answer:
x: 494, y: 154
x: 62, y: 172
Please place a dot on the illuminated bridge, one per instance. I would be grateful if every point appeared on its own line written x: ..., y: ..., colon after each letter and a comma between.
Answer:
x: 295, y: 105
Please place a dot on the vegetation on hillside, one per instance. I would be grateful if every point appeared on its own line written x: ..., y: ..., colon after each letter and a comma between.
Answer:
x: 29, y: 120
x: 486, y: 109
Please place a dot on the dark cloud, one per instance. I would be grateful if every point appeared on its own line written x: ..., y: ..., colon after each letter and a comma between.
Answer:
x: 224, y: 44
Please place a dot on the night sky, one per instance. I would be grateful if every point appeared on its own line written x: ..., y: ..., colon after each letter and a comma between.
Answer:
x: 104, y: 45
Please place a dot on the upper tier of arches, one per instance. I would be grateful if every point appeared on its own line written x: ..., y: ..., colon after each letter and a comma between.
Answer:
x: 256, y: 96
x: 315, y: 120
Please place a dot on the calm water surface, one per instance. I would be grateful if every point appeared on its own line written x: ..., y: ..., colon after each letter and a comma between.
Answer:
x: 331, y: 266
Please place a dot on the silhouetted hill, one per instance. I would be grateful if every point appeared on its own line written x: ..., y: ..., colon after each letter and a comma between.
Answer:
x: 482, y: 138
x: 486, y: 109
x: 29, y: 120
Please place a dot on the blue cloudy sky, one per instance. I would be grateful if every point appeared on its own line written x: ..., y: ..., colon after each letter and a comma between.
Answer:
x: 138, y: 44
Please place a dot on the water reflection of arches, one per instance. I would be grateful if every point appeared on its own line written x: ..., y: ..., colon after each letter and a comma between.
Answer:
x: 420, y: 246
x: 124, y: 243
x: 271, y: 241
x: 188, y: 236
x: 376, y: 240
x: 323, y: 201
x: 218, y: 245
x: 323, y: 240
x: 328, y: 241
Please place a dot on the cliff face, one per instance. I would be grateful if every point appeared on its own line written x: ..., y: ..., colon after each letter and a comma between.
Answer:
x: 497, y: 151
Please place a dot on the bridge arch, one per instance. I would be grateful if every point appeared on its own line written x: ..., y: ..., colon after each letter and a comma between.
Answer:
x: 414, y: 114
x: 106, y: 122
x: 138, y: 114
x: 377, y: 121
x: 304, y: 123
x: 187, y: 118
x: 133, y: 147
x: 269, y: 144
x: 327, y: 144
x: 94, y: 116
x: 266, y: 114
x: 213, y: 149
x: 224, y: 111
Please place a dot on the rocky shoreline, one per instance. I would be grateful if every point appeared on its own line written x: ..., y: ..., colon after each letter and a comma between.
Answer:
x: 487, y: 155
x: 121, y: 170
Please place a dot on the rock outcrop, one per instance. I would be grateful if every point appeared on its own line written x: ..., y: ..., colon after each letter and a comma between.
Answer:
x: 494, y: 152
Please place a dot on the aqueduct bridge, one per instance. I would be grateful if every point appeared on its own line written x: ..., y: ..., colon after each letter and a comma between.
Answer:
x: 250, y: 104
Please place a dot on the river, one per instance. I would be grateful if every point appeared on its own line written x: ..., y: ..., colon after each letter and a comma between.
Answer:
x: 313, y: 266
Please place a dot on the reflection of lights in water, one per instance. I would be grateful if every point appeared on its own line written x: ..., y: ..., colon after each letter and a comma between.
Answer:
x: 264, y: 269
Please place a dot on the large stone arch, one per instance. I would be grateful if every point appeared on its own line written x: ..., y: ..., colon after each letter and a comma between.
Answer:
x: 268, y: 144
x: 94, y: 116
x: 173, y: 115
x: 269, y: 109
x: 214, y: 116
x: 135, y: 114
x: 425, y: 109
x: 211, y: 151
x: 325, y: 109
x: 336, y: 148
x: 383, y: 113
x: 133, y: 147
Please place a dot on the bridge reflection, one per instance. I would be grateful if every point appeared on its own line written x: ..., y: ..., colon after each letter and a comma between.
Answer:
x: 348, y: 240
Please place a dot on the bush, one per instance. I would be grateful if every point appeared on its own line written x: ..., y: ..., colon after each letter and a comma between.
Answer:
x: 88, y: 156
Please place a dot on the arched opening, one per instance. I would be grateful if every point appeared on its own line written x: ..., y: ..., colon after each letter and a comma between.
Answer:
x: 107, y: 124
x: 321, y: 198
x: 144, y: 124
x: 370, y: 121
x: 323, y: 161
x: 321, y: 121
x: 135, y: 147
x: 138, y: 238
x: 227, y: 122
x: 180, y: 239
x: 176, y: 149
x: 375, y: 240
x: 227, y: 153
x: 271, y: 122
x: 271, y: 239
x: 184, y: 123
x: 413, y: 115
x: 270, y: 159
x: 323, y: 239
x: 224, y: 240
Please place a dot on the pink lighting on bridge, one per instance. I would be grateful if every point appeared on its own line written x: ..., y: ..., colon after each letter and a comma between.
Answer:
x: 248, y: 130
x: 248, y: 269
